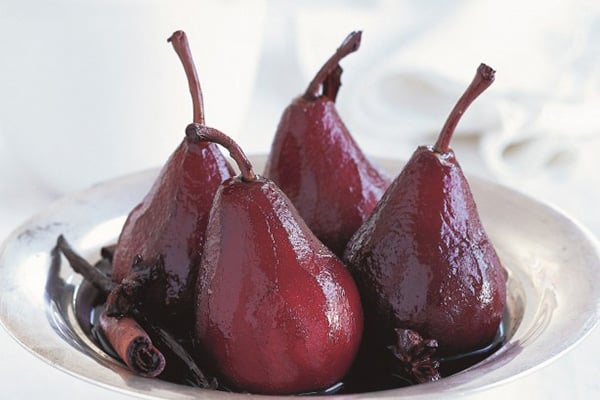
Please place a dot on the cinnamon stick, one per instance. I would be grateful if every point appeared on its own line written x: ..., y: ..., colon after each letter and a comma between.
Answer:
x: 133, y: 345
x: 129, y: 332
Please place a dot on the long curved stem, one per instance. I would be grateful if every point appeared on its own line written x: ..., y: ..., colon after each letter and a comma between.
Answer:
x: 483, y: 79
x: 200, y: 132
x: 182, y: 48
x: 349, y: 45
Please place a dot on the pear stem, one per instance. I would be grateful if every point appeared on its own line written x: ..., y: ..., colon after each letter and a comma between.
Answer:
x: 482, y: 80
x: 332, y: 84
x: 182, y: 48
x: 199, y: 132
x: 349, y: 45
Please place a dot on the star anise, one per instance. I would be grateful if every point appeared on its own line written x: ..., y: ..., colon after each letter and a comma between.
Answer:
x: 414, y: 357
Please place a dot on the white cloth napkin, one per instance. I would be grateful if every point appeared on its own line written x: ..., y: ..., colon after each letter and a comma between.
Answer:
x: 536, y: 128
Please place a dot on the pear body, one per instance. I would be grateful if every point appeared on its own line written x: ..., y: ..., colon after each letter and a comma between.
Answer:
x: 170, y: 223
x: 277, y: 312
x: 320, y: 167
x: 423, y: 261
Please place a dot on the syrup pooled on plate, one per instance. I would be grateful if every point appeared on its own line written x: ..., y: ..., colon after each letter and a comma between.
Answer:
x: 90, y: 304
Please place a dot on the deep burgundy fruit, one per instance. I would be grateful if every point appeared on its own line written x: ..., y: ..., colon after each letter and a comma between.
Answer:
x: 317, y: 163
x: 423, y: 260
x: 276, y: 310
x: 168, y: 226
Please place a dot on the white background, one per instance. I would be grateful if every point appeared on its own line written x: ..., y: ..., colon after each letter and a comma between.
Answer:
x: 91, y: 90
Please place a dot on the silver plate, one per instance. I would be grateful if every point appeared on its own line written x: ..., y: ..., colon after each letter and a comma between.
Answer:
x: 553, y: 267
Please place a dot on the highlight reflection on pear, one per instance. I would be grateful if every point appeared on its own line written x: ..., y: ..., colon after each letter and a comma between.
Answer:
x: 276, y: 310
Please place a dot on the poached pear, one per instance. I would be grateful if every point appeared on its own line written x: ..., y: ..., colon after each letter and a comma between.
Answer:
x: 276, y: 310
x: 423, y: 260
x: 318, y: 164
x: 168, y: 226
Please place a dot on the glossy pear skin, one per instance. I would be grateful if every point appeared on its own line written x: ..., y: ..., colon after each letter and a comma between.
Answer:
x: 423, y: 261
x: 170, y: 223
x: 319, y: 166
x: 276, y: 310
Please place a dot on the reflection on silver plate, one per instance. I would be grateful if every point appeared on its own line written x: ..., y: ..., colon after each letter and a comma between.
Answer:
x: 552, y: 264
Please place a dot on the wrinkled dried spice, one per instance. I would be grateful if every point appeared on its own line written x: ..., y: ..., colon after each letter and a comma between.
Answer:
x: 137, y: 340
x: 415, y: 357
